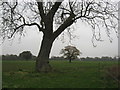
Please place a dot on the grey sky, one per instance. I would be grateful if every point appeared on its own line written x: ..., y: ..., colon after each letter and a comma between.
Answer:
x: 32, y: 40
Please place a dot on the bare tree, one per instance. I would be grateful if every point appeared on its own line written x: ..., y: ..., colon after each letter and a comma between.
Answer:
x: 61, y: 14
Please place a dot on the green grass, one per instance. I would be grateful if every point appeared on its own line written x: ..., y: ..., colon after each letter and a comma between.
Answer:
x: 78, y: 74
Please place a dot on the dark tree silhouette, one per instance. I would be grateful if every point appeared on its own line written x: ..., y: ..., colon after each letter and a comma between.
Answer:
x: 70, y: 52
x: 26, y: 55
x: 61, y: 14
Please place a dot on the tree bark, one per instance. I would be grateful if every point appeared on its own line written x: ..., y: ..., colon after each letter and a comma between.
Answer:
x: 70, y: 60
x: 42, y: 62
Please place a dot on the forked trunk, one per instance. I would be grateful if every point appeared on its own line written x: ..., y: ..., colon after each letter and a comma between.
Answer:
x: 42, y: 62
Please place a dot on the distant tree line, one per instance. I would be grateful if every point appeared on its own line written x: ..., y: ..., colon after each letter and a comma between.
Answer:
x: 15, y: 57
x: 25, y: 55
x: 104, y: 58
x: 10, y: 57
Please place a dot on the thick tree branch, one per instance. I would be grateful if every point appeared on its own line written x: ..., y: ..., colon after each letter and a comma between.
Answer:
x: 54, y: 8
x: 40, y: 28
x: 40, y: 8
x: 22, y: 26
x: 66, y: 24
x: 32, y: 24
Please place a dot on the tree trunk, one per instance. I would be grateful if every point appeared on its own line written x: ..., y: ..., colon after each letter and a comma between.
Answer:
x: 42, y: 62
x: 70, y: 60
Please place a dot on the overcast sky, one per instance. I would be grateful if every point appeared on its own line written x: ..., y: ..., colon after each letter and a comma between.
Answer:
x: 32, y: 41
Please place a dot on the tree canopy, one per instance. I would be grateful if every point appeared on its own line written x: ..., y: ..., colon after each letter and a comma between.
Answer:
x: 70, y: 52
x: 97, y: 13
x: 26, y: 55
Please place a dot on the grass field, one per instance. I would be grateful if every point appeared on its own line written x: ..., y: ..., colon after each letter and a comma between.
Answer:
x: 78, y: 74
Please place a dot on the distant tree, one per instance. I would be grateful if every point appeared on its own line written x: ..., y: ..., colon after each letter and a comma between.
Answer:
x: 26, y: 55
x: 70, y: 52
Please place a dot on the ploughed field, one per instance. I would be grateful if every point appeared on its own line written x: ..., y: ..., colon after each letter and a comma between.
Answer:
x: 78, y: 74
